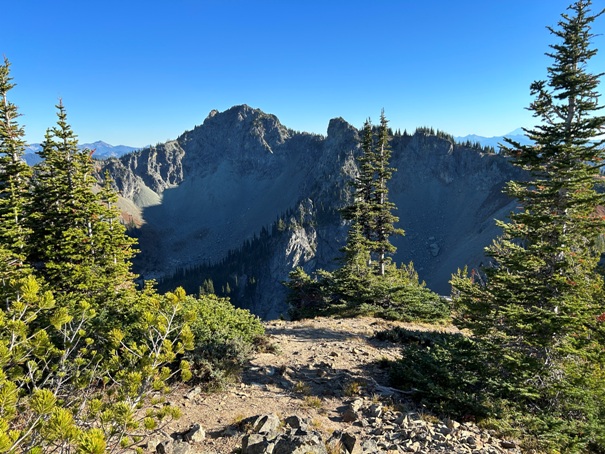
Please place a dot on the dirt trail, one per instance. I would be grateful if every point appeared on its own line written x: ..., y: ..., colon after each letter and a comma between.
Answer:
x: 318, y: 368
x: 318, y: 364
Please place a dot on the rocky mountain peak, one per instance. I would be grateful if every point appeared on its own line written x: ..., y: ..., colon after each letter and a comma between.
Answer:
x: 219, y: 190
x: 339, y: 127
x: 244, y: 119
x: 241, y: 133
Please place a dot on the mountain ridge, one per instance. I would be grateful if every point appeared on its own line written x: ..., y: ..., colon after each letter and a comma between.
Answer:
x: 517, y: 135
x: 102, y: 150
x: 241, y: 177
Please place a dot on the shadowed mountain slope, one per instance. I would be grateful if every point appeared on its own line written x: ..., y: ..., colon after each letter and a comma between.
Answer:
x: 243, y: 199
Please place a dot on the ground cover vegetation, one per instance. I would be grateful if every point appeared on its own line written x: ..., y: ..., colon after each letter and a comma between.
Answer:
x: 367, y: 282
x: 532, y: 361
x: 83, y: 350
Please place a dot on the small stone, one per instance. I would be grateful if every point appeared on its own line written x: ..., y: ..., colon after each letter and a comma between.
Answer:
x: 356, y: 404
x: 413, y: 447
x: 444, y: 430
x: 193, y: 393
x: 470, y: 440
x: 370, y: 446
x: 375, y: 410
x: 181, y: 447
x: 349, y: 415
x: 195, y: 434
x: 254, y: 444
x: 351, y: 443
x: 438, y: 437
x: 397, y: 418
x: 266, y: 424
x: 507, y: 444
x: 306, y: 444
x: 164, y: 447
x: 296, y: 422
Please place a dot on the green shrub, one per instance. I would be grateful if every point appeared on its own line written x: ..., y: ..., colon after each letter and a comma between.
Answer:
x: 467, y: 378
x: 306, y: 296
x: 398, y: 295
x: 449, y: 373
x: 62, y: 391
x: 225, y: 337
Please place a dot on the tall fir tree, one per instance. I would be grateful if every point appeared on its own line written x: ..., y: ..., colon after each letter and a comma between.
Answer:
x: 15, y: 176
x: 371, y: 211
x: 359, y: 212
x: 79, y: 245
x: 541, y: 301
x: 383, y: 218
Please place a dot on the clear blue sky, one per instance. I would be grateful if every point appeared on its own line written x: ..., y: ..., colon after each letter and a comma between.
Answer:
x: 138, y: 72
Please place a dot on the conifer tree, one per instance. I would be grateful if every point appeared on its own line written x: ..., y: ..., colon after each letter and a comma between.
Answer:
x: 15, y: 177
x: 383, y: 218
x: 370, y: 208
x: 360, y: 210
x: 541, y: 300
x: 78, y: 244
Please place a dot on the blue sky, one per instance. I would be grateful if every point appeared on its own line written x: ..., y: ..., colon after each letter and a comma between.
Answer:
x: 138, y: 72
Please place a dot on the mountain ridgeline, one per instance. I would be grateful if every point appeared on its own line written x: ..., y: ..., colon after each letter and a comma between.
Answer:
x: 241, y: 200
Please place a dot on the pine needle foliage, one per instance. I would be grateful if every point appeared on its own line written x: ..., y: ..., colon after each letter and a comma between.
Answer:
x: 371, y: 212
x: 540, y: 304
x: 85, y: 355
x: 368, y: 282
x: 15, y: 177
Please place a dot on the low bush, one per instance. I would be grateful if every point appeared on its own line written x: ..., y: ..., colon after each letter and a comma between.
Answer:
x: 225, y: 337
x: 61, y: 390
x: 398, y: 295
x: 448, y: 373
x: 468, y: 379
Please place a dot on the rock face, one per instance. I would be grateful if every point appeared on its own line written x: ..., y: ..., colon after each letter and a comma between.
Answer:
x: 243, y: 179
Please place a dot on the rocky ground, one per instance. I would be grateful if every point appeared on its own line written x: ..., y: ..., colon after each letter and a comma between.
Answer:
x: 321, y: 391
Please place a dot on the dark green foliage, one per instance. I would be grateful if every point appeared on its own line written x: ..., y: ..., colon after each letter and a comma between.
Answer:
x: 433, y: 132
x: 367, y: 282
x: 382, y: 213
x: 447, y: 372
x: 224, y: 338
x: 371, y: 212
x: 15, y: 177
x: 540, y: 305
x: 398, y: 295
x: 306, y: 296
x: 77, y: 244
x: 456, y: 375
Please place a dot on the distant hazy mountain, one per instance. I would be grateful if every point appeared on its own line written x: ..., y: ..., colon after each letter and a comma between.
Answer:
x: 103, y: 150
x: 517, y: 135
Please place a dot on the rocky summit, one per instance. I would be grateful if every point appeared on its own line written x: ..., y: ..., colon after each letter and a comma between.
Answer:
x: 244, y: 195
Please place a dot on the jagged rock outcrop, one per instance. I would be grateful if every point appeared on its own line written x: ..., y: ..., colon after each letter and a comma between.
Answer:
x: 233, y: 179
x: 144, y: 175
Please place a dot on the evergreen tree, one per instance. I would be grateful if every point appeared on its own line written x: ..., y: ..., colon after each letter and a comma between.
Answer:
x: 540, y: 303
x: 113, y: 249
x: 370, y: 208
x: 79, y: 246
x: 15, y: 177
x: 360, y: 210
x: 383, y: 218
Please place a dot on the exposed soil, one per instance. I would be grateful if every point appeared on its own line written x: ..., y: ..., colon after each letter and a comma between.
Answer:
x: 317, y: 367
